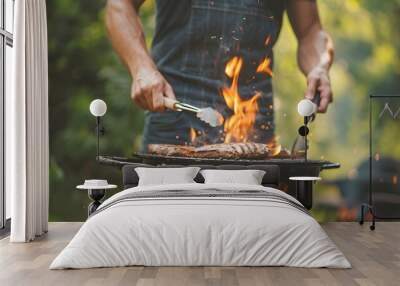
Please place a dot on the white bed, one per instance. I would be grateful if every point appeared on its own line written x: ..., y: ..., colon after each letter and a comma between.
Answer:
x: 267, y: 229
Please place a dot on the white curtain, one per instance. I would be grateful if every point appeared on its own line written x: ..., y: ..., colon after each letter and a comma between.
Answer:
x: 27, y: 146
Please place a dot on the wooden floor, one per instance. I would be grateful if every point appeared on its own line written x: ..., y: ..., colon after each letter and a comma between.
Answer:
x: 375, y: 257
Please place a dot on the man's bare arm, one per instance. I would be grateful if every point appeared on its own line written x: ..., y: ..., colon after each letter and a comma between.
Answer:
x: 127, y: 36
x: 315, y: 51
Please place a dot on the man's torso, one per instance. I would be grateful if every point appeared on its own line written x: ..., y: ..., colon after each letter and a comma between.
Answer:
x: 193, y: 43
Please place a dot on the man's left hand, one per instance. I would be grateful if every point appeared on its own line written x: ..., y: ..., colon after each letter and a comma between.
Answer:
x: 318, y: 80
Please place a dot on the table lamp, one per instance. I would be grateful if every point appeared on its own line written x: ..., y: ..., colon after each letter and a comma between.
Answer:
x: 307, y: 109
x: 98, y: 108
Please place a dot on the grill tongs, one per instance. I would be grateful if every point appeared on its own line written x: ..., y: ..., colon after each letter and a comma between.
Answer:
x: 208, y: 114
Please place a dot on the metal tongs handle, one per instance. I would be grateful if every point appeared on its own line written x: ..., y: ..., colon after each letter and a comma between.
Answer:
x: 179, y: 106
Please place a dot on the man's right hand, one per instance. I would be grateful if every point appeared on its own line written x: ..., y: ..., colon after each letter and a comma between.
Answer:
x: 149, y: 89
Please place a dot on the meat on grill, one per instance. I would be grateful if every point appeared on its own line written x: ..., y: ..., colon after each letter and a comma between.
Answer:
x: 233, y: 150
x: 224, y: 150
x: 170, y: 150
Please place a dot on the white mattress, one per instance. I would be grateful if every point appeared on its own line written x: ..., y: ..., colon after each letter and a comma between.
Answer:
x: 200, y: 231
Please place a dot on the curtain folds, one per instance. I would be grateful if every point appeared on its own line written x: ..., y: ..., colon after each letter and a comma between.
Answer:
x: 27, y: 118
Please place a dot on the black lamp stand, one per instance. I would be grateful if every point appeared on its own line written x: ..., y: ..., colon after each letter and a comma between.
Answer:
x: 99, y: 132
x: 96, y: 195
x: 304, y: 130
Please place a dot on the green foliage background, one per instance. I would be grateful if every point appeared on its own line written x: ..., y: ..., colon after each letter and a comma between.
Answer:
x: 83, y: 66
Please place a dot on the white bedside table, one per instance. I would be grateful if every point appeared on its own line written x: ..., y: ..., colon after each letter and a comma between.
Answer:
x: 96, y: 191
x: 304, y: 189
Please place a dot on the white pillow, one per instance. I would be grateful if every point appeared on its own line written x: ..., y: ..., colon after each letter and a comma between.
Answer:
x: 166, y: 176
x: 248, y: 177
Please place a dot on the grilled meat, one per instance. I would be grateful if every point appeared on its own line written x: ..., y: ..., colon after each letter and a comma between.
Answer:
x: 224, y: 150
x: 170, y: 150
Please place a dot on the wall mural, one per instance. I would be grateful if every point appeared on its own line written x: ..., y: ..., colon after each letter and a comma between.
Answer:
x: 228, y: 91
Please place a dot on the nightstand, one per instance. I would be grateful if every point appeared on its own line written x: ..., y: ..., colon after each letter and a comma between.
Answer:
x: 96, y: 191
x: 304, y: 189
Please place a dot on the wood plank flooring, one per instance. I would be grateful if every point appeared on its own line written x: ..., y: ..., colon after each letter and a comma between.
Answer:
x: 375, y: 257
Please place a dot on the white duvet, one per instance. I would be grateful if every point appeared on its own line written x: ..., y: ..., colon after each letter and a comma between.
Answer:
x: 204, y: 231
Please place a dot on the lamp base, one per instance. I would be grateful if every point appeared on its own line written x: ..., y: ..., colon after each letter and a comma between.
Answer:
x: 304, y: 193
x: 95, y: 195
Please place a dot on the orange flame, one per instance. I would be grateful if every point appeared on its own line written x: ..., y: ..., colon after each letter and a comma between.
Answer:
x: 274, y: 146
x: 193, y: 135
x: 239, y: 125
x: 264, y: 67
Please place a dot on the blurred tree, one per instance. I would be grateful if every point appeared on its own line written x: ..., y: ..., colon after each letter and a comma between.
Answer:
x: 82, y: 67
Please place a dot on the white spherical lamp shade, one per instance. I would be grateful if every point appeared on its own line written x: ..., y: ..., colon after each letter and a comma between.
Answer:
x: 306, y: 107
x: 98, y: 107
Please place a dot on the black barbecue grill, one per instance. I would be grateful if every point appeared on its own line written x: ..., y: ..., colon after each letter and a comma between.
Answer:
x: 153, y: 159
x: 287, y: 167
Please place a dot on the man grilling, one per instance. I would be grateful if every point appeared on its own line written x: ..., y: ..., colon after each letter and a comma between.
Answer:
x: 193, y: 43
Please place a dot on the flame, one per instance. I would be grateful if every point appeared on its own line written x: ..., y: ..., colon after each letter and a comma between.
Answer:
x: 233, y: 68
x: 193, y: 136
x: 239, y: 125
x: 274, y: 146
x: 264, y: 67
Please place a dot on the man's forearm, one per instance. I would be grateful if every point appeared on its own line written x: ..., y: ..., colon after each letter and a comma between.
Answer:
x: 127, y: 36
x: 315, y: 50
x: 315, y: 45
x: 149, y: 87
